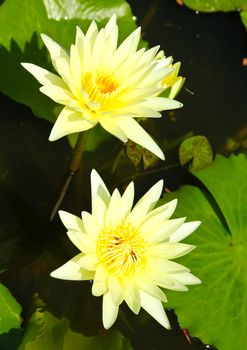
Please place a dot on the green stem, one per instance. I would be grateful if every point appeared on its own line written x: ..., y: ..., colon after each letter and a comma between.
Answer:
x: 73, y: 168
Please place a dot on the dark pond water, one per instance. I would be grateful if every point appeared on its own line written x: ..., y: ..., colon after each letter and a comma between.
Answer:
x: 211, y: 49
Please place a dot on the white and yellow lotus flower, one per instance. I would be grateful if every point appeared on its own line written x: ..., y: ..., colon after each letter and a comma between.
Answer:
x: 126, y: 251
x: 172, y: 83
x: 99, y: 82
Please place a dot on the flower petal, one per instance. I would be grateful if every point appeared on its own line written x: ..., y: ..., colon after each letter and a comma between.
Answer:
x: 59, y: 57
x: 128, y: 46
x: 145, y: 204
x: 127, y: 200
x: 43, y: 76
x: 110, y: 125
x: 164, y: 232
x: 100, y: 282
x: 170, y: 250
x: 161, y: 103
x: 100, y: 197
x: 163, y: 212
x: 116, y: 290
x: 69, y: 121
x: 184, y: 230
x: 73, y: 271
x: 153, y: 290
x: 155, y: 308
x: 71, y: 222
x: 132, y: 296
x: 89, y: 261
x: 112, y: 217
x: 91, y: 225
x: 110, y: 311
x: 57, y: 94
x: 137, y: 134
x: 186, y: 278
x: 82, y: 241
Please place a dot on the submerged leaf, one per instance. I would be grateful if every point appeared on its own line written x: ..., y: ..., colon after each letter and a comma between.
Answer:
x: 197, y: 150
x: 45, y: 331
x: 220, y: 260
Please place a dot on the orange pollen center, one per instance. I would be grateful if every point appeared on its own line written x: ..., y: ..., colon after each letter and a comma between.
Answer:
x: 121, y: 249
x: 106, y: 84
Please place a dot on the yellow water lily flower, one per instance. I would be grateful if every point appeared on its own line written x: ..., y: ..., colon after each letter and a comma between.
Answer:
x: 100, y: 82
x: 127, y: 251
x: 172, y: 83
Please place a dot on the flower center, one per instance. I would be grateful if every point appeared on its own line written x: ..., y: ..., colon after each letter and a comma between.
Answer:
x: 121, y: 250
x: 105, y: 84
x: 100, y: 87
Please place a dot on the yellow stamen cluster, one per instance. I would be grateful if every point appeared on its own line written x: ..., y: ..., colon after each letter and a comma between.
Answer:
x: 121, y: 250
x: 100, y: 87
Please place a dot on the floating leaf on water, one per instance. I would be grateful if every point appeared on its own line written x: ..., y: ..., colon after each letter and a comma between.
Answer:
x: 196, y: 150
x: 10, y: 311
x: 45, y: 331
x: 216, y: 311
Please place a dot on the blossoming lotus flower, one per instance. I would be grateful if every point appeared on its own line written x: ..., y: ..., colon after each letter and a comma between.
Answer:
x: 126, y: 251
x: 98, y: 82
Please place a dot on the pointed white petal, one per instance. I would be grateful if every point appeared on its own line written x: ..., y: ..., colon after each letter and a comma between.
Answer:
x: 110, y: 311
x: 100, y: 282
x: 161, y: 103
x: 71, y: 222
x: 73, y: 271
x: 75, y: 65
x: 92, y: 33
x: 165, y: 231
x: 98, y: 189
x: 170, y: 250
x: 89, y: 261
x: 185, y: 230
x: 137, y: 134
x: 57, y: 94
x: 112, y: 217
x: 111, y: 32
x: 155, y: 308
x: 186, y: 278
x: 127, y: 200
x: 128, y: 46
x: 153, y: 290
x: 91, y: 225
x: 145, y: 204
x: 132, y: 297
x: 165, y: 211
x: 116, y: 290
x: 82, y: 241
x: 112, y: 127
x: 59, y: 57
x: 164, y: 266
x: 69, y: 121
x: 43, y: 76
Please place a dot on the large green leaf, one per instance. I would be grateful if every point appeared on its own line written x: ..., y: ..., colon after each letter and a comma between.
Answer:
x: 216, y: 5
x: 45, y: 331
x: 57, y: 19
x: 216, y: 310
x: 10, y: 311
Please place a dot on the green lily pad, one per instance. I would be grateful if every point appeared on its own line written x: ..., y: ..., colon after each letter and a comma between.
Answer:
x: 216, y: 5
x: 45, y: 331
x: 216, y: 310
x: 10, y: 311
x: 196, y: 150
